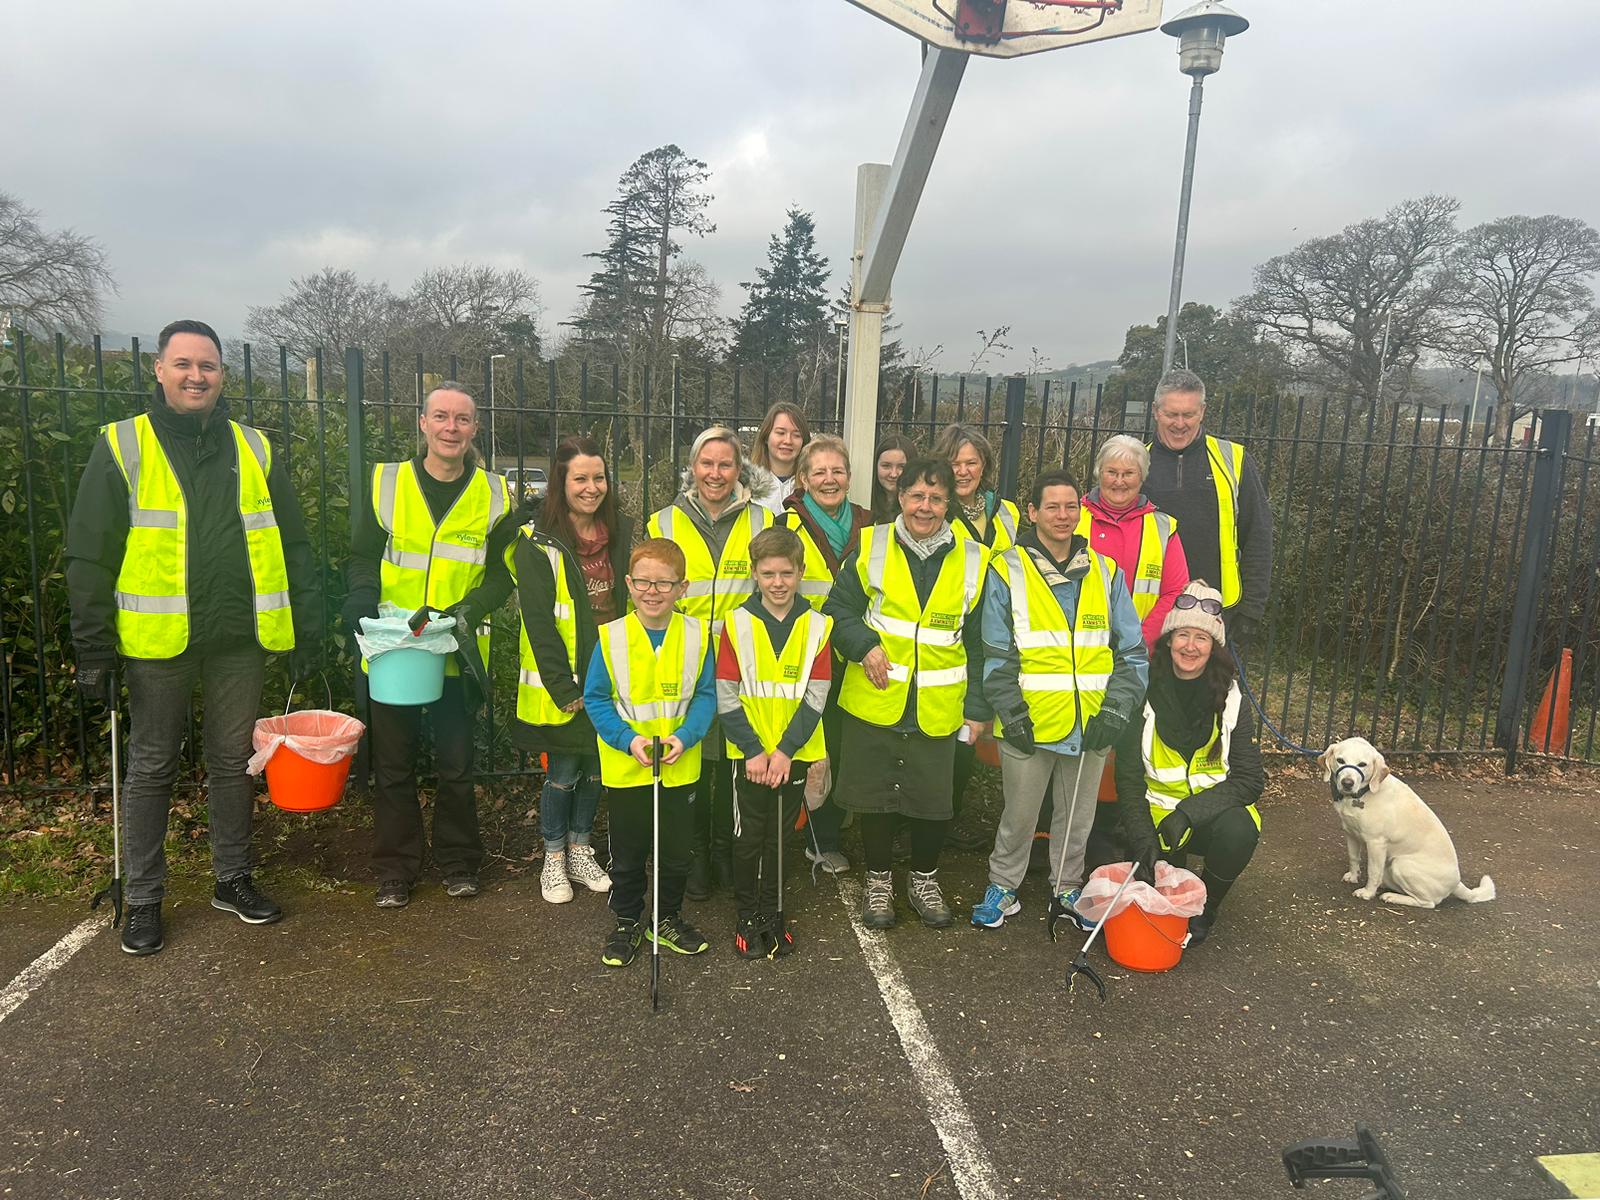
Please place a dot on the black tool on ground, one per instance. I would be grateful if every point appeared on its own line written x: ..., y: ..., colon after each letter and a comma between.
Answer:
x: 655, y: 874
x: 780, y: 928
x: 1362, y: 1158
x: 1080, y: 965
x: 114, y: 888
x: 1058, y: 907
x: 466, y: 645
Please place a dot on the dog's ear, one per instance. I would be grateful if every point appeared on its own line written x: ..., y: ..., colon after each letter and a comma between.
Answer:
x: 1327, y: 763
x: 1380, y: 771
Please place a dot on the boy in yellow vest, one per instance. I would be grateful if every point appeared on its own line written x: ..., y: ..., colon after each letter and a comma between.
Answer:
x: 650, y: 677
x: 774, y: 669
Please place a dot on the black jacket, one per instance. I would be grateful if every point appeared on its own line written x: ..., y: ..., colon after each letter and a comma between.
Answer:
x: 536, y: 596
x: 1246, y: 779
x: 221, y: 603
x: 1180, y: 484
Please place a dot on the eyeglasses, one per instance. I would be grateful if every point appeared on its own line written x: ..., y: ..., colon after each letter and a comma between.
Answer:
x: 659, y: 586
x: 1203, y: 603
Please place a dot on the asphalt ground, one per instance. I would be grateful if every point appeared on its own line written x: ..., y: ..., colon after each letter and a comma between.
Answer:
x: 479, y: 1049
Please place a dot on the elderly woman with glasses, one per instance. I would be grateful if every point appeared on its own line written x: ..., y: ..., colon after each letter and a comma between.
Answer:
x: 1189, y: 774
x: 1121, y: 524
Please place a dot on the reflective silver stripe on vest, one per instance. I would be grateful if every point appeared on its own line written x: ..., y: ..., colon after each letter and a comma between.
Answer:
x: 534, y: 679
x: 388, y: 481
x: 1152, y: 587
x: 265, y: 519
x: 1225, y: 453
x: 473, y: 556
x: 694, y: 652
x: 497, y: 498
x: 973, y: 582
x: 815, y: 587
x: 408, y: 560
x: 697, y: 588
x: 128, y: 602
x: 1064, y: 681
x: 1002, y: 514
x: 257, y: 444
x: 151, y: 518
x: 664, y: 519
x: 127, y: 435
x: 271, y: 601
x: 944, y: 677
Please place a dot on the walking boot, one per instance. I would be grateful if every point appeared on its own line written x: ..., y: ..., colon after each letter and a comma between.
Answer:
x: 877, y: 905
x: 923, y: 891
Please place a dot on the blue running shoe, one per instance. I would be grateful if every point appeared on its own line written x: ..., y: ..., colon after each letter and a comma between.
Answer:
x: 1069, y: 901
x: 997, y: 904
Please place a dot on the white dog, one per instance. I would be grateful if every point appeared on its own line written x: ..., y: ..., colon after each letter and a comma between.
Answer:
x: 1408, y: 848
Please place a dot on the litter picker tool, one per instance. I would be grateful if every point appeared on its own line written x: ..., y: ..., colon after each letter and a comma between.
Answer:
x: 655, y: 874
x: 1080, y: 965
x: 777, y: 934
x: 466, y: 646
x: 114, y: 888
x: 1058, y: 907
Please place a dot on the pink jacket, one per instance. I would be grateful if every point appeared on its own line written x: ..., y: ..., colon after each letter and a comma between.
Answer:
x: 1117, y: 536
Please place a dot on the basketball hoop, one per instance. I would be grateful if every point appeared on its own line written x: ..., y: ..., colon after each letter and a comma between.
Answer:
x: 983, y: 21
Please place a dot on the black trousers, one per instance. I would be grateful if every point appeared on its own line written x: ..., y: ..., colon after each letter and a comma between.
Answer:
x: 399, y: 844
x: 757, y: 829
x: 630, y: 823
x: 1226, y: 842
x: 713, y: 805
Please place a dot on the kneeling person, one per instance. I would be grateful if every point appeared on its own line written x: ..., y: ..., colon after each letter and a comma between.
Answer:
x: 650, y: 678
x: 1065, y: 669
x: 774, y: 669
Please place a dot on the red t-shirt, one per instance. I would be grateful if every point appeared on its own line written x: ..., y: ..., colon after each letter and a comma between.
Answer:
x: 598, y: 578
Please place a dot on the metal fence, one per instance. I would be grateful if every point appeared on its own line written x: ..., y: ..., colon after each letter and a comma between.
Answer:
x: 1425, y: 582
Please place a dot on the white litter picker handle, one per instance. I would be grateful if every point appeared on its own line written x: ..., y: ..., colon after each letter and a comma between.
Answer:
x: 288, y: 702
x: 1101, y: 923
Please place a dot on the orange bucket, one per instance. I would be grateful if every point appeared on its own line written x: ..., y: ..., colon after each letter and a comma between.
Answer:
x: 1144, y: 941
x: 297, y: 784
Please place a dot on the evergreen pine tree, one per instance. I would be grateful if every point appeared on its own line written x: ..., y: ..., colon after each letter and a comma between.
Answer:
x: 785, y: 316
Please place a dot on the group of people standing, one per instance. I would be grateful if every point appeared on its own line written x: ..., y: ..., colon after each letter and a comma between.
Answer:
x: 769, y: 653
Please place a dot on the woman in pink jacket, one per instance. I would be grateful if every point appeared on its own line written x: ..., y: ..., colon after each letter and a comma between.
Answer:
x: 1125, y: 527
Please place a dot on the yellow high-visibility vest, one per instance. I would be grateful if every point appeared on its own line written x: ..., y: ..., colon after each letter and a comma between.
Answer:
x: 438, y: 565
x: 772, y: 686
x: 715, y: 588
x: 1169, y: 777
x: 924, y: 641
x: 816, y: 581
x: 1227, y: 468
x: 534, y: 704
x: 1065, y: 668
x: 1005, y: 523
x: 652, y: 689
x: 1156, y: 531
x: 152, y: 584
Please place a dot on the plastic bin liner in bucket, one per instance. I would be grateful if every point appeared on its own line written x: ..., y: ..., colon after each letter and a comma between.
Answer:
x: 306, y: 756
x: 402, y: 667
x: 1148, y: 927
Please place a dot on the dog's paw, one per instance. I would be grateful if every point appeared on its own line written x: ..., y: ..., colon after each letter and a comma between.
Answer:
x: 1352, y: 876
x: 1366, y: 893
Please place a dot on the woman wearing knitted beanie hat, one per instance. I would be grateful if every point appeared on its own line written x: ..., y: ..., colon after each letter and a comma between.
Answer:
x: 1189, y: 775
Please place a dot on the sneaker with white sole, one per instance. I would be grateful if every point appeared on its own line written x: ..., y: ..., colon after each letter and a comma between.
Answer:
x: 1069, y: 901
x: 831, y: 861
x: 553, y: 883
x: 582, y: 868
x: 997, y: 904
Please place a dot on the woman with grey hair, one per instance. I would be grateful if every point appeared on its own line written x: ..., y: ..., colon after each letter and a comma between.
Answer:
x: 1125, y: 527
x: 713, y: 519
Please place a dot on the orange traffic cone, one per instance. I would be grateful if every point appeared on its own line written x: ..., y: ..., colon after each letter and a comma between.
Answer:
x: 1553, y: 719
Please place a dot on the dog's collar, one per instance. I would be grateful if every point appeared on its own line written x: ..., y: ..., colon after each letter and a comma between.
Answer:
x: 1355, y: 798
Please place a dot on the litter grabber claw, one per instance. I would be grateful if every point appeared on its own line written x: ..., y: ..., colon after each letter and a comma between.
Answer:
x: 1057, y: 908
x: 113, y: 890
x: 1080, y: 965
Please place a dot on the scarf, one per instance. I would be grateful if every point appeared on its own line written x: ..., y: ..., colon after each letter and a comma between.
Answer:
x: 836, y: 528
x: 924, y: 549
x: 1185, y: 718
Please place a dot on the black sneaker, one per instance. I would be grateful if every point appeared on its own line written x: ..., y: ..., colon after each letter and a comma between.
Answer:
x: 623, y: 944
x: 752, y: 939
x: 239, y: 896
x: 394, y: 893
x: 677, y: 935
x: 141, y: 929
x: 782, y: 939
x: 461, y: 886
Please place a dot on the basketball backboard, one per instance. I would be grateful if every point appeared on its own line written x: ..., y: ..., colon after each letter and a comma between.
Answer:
x: 1009, y: 28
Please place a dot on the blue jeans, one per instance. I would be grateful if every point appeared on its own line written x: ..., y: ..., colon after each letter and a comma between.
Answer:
x: 570, y: 800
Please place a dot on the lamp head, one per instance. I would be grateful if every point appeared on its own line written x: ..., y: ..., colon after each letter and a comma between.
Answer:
x: 1201, y: 32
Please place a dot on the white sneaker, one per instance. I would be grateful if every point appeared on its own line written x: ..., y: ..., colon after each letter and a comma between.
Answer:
x: 582, y: 868
x: 553, y: 885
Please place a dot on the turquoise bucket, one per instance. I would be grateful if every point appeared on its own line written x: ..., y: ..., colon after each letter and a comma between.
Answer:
x: 406, y: 676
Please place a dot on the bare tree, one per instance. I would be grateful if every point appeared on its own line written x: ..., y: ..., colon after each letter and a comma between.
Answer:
x: 49, y: 281
x: 331, y: 310
x: 988, y: 343
x: 472, y: 310
x: 1524, y: 303
x: 1333, y: 302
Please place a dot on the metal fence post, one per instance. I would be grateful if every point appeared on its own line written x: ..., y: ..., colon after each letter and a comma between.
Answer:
x: 1011, y: 438
x: 355, y: 378
x: 1555, y: 426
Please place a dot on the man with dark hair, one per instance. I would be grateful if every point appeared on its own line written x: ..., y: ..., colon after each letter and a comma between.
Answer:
x: 188, y: 563
x: 1211, y: 487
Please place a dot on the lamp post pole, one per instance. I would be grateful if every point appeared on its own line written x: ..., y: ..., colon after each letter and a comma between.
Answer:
x: 840, y: 324
x: 1201, y: 32
x: 493, y: 448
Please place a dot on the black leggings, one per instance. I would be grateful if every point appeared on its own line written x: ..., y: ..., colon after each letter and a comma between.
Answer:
x: 877, y: 839
x: 1226, y: 842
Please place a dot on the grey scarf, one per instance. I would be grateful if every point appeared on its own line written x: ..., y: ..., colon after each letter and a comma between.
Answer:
x: 923, y: 549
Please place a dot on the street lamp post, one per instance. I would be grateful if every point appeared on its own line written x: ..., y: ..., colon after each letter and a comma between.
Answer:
x: 840, y: 324
x: 492, y: 447
x: 1201, y: 32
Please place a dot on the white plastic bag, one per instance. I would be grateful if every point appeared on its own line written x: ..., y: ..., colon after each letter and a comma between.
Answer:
x: 819, y: 782
x: 318, y: 734
x: 390, y: 631
x: 1177, y: 893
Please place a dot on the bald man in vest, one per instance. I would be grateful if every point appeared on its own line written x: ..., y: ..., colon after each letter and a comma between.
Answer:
x: 1212, y: 488
x: 188, y: 563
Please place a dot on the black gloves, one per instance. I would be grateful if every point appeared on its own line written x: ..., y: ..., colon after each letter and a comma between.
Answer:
x: 97, y: 680
x: 1018, y: 734
x: 305, y: 660
x: 467, y: 619
x: 1103, y: 729
x: 354, y: 609
x: 1174, y: 831
x: 1145, y: 872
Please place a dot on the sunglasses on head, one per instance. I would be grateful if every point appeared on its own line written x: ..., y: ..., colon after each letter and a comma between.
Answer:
x: 1203, y: 603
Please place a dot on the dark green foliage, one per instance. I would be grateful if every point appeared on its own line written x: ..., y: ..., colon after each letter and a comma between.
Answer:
x: 785, y: 315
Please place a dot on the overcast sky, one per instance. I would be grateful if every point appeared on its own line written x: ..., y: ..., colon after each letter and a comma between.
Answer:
x: 217, y: 150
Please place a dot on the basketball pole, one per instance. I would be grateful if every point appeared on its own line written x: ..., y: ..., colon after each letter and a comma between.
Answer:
x: 886, y: 202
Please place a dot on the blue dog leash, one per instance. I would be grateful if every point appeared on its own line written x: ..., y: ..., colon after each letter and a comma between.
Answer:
x: 1266, y: 721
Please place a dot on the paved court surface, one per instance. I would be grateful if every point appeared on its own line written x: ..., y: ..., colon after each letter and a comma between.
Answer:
x: 478, y: 1048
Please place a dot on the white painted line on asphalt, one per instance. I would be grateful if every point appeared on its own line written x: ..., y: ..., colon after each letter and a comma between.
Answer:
x: 970, y: 1165
x: 35, y: 973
